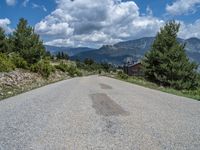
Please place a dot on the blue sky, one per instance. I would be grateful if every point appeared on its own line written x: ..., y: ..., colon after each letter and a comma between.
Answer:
x: 96, y: 22
x: 28, y: 11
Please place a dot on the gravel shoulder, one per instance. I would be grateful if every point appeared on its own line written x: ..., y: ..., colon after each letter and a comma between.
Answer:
x: 98, y: 113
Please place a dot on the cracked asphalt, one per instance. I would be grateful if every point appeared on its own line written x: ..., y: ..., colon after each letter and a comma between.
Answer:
x: 98, y: 113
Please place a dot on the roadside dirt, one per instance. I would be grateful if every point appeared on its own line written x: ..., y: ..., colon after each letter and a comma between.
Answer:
x: 20, y: 81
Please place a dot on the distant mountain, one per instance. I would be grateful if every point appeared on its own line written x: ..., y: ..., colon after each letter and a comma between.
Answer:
x: 193, y: 45
x: 134, y: 49
x: 69, y: 50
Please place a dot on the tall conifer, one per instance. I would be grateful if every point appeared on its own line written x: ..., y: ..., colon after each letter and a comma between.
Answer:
x: 167, y: 63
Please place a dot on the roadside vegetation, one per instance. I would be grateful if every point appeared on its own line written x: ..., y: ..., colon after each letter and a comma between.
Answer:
x: 25, y: 64
x: 91, y: 66
x: 194, y: 94
x: 24, y: 49
x: 166, y: 66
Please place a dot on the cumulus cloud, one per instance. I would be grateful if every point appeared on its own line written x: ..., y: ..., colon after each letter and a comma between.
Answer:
x: 96, y: 22
x: 60, y: 42
x: 4, y: 23
x: 10, y: 2
x: 190, y: 30
x: 180, y: 7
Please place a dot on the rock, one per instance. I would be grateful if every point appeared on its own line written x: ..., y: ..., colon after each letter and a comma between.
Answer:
x: 8, y: 84
x: 10, y: 92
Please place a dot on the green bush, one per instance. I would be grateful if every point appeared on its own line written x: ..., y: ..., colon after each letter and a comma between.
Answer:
x: 73, y: 71
x: 99, y: 71
x: 6, y: 64
x: 43, y: 67
x: 18, y: 61
x: 78, y: 73
x: 122, y: 75
x: 62, y: 66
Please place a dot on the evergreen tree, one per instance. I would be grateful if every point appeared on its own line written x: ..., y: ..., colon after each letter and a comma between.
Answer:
x: 88, y: 61
x: 58, y: 55
x: 66, y: 56
x: 167, y: 63
x: 27, y: 43
x: 3, y: 41
x: 62, y: 55
x: 10, y: 43
x: 49, y: 55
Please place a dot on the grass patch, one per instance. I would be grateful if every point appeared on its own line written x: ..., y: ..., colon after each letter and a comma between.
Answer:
x: 194, y: 94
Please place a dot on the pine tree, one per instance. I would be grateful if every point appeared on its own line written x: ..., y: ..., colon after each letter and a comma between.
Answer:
x: 27, y: 43
x: 88, y: 61
x: 167, y: 63
x: 66, y: 56
x: 3, y: 41
x: 62, y: 55
x: 58, y: 55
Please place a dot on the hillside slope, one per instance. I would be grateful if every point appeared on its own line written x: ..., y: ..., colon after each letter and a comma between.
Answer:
x: 134, y: 49
x: 69, y: 50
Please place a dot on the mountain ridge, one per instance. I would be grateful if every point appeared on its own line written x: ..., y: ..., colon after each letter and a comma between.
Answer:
x: 135, y: 49
x: 69, y: 50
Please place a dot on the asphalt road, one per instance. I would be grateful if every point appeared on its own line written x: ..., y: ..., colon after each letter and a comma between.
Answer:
x: 98, y: 113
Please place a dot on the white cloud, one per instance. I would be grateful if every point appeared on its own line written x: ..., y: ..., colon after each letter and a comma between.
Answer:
x: 190, y: 30
x: 60, y: 42
x: 35, y: 5
x: 180, y: 7
x: 4, y: 23
x: 42, y: 7
x: 25, y: 3
x: 149, y: 11
x: 11, y: 2
x: 96, y: 22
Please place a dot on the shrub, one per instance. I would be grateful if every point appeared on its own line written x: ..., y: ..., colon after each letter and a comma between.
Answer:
x: 100, y: 71
x: 88, y: 61
x: 43, y: 67
x: 73, y: 71
x: 18, y: 61
x: 62, y: 66
x: 6, y: 64
x: 122, y: 75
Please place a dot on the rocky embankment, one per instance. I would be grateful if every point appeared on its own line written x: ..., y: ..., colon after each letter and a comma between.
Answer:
x: 20, y: 80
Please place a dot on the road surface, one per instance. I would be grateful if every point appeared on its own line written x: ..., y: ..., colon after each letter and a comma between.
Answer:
x: 98, y: 113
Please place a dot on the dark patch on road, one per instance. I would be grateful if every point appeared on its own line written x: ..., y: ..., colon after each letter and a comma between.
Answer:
x: 105, y: 106
x: 105, y: 86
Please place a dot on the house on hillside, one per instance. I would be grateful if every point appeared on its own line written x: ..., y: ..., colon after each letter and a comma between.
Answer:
x: 133, y: 69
